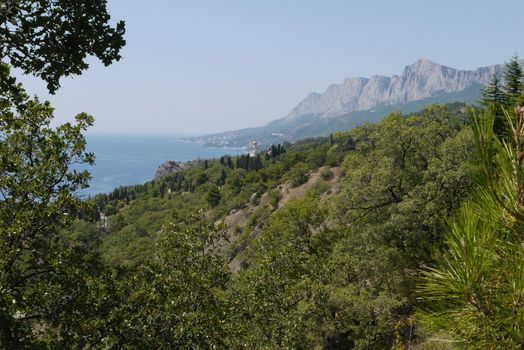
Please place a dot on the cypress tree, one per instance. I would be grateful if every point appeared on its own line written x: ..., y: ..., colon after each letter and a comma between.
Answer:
x: 162, y: 190
x: 273, y: 151
x: 222, y: 179
x: 213, y: 196
x: 229, y: 163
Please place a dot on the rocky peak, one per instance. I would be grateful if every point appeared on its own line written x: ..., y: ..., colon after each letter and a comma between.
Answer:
x: 420, y: 80
x: 423, y: 66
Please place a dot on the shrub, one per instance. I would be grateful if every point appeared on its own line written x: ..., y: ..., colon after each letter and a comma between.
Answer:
x: 326, y: 173
x: 274, y: 197
x: 298, y: 175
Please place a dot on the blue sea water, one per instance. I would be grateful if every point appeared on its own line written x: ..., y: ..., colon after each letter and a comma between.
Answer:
x: 129, y: 160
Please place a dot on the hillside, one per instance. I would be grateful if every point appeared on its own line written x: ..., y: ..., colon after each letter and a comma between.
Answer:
x: 358, y: 100
x: 246, y: 190
x: 358, y: 240
x: 336, y: 223
x: 372, y: 216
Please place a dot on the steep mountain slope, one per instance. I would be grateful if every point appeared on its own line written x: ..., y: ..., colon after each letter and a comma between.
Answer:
x: 421, y: 80
x: 358, y: 100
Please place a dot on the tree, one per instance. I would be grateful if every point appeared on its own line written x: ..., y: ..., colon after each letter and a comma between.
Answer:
x: 51, y: 39
x: 175, y: 300
x: 273, y: 298
x: 408, y: 173
x: 222, y: 179
x: 43, y: 280
x: 298, y: 175
x: 234, y: 180
x: 492, y: 93
x: 513, y: 79
x: 213, y: 196
x: 475, y: 292
x: 493, y: 97
x: 37, y: 191
x: 404, y: 176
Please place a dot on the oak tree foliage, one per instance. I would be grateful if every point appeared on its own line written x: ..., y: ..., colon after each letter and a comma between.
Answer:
x: 51, y: 39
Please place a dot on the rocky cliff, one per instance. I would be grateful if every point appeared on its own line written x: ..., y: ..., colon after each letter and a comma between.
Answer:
x: 169, y: 167
x: 420, y: 80
x: 357, y: 100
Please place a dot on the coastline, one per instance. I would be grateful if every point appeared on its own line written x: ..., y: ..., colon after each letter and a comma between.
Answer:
x: 127, y: 160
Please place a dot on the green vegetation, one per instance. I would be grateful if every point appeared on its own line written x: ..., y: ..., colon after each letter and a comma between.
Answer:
x: 51, y: 39
x: 45, y: 277
x: 406, y: 233
x: 334, y: 269
x: 474, y: 292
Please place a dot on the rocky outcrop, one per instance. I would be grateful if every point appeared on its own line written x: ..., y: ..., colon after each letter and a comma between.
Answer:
x: 169, y: 167
x: 420, y: 80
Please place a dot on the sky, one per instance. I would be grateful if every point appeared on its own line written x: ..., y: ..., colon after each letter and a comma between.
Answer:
x: 202, y: 66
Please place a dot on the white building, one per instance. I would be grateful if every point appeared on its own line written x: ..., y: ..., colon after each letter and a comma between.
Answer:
x: 253, y: 150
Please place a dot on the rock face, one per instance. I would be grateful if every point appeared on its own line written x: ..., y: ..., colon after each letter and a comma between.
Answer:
x: 167, y: 168
x: 420, y: 80
x: 357, y: 100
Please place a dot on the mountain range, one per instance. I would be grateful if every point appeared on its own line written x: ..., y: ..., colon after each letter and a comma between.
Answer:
x: 358, y: 100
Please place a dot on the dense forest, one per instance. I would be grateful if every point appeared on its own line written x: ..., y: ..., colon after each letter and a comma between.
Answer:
x: 403, y: 234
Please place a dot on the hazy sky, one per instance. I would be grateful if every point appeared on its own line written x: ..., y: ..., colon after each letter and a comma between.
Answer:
x: 193, y: 67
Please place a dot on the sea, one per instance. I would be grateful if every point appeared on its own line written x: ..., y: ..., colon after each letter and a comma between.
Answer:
x: 130, y: 160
